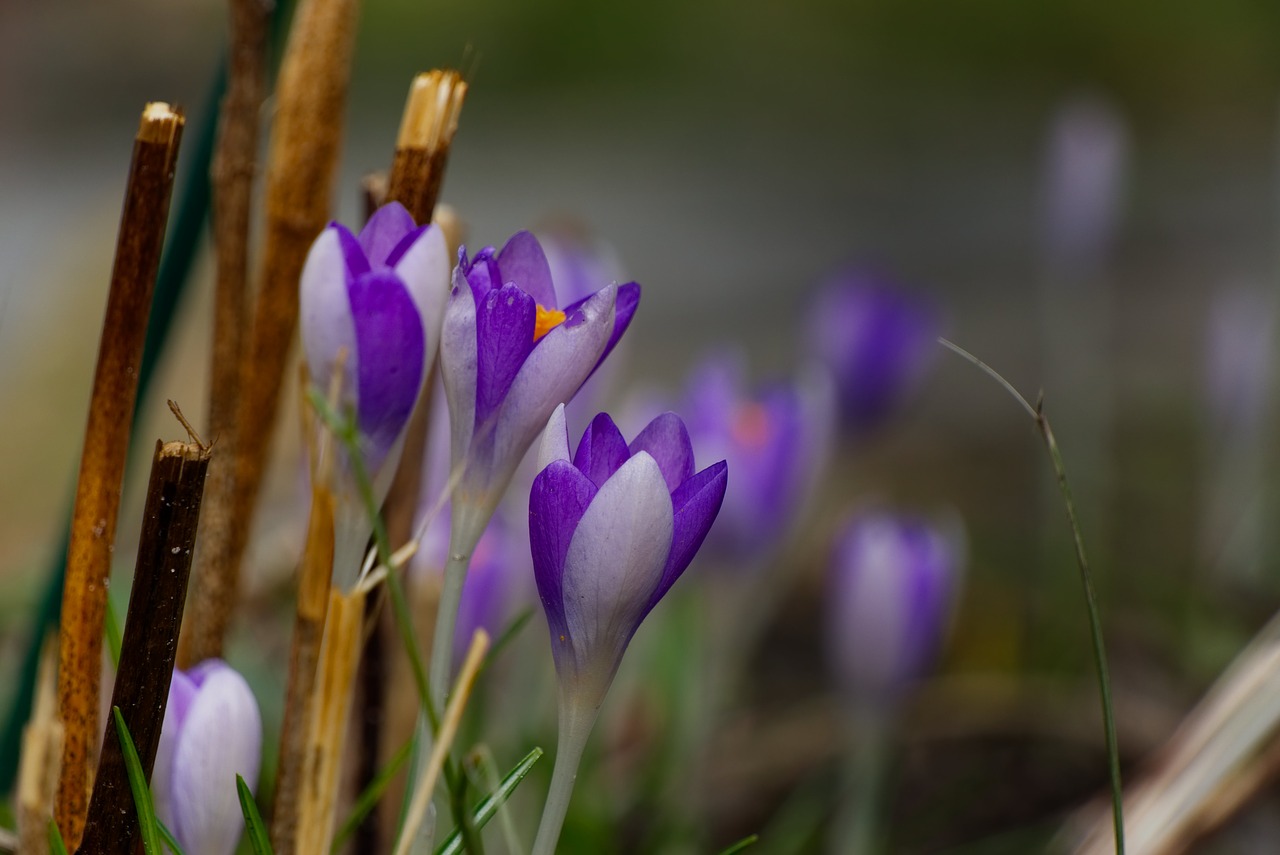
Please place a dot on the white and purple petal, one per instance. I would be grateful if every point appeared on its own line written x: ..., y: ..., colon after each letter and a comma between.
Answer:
x: 424, y: 268
x: 384, y: 231
x: 523, y: 262
x: 614, y: 563
x: 504, y: 337
x: 602, y: 450
x: 695, y: 504
x: 557, y: 502
x: 666, y: 439
x: 458, y: 364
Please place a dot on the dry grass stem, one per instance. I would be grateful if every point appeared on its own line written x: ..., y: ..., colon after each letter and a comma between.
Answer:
x: 426, y: 783
x: 150, y: 641
x: 331, y: 705
x: 115, y: 389
x: 41, y: 759
x: 1225, y: 750
x: 233, y: 171
x: 302, y: 165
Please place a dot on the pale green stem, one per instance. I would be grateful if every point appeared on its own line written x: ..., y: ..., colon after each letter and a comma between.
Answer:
x: 575, y: 727
x: 857, y: 830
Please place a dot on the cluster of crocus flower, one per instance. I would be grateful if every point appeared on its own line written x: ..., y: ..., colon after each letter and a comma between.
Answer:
x: 878, y: 340
x: 212, y: 732
x: 371, y: 307
x: 509, y: 356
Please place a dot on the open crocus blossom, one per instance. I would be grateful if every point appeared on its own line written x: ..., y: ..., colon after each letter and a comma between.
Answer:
x: 510, y: 355
x: 611, y: 530
x: 893, y: 583
x: 376, y: 301
x: 212, y: 732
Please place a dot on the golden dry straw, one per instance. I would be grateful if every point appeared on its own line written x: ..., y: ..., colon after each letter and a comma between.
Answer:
x: 41, y: 758
x: 115, y: 389
x: 302, y: 165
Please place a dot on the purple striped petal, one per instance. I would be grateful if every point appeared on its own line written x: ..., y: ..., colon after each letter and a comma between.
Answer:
x: 391, y: 351
x: 386, y: 229
x: 424, y: 268
x: 628, y: 300
x: 523, y: 262
x: 481, y: 272
x: 458, y: 364
x: 550, y: 376
x: 667, y: 441
x: 504, y: 338
x: 696, y: 503
x: 559, y: 498
x: 614, y: 563
x: 602, y: 450
x: 555, y: 440
x: 324, y: 306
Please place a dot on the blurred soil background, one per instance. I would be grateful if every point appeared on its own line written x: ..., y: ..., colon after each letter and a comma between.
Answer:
x: 735, y: 154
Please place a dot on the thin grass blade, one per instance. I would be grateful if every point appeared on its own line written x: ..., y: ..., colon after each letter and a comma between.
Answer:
x: 138, y: 785
x: 255, y: 828
x: 487, y: 808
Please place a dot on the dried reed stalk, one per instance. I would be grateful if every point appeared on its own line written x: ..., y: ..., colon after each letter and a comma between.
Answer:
x: 150, y: 641
x: 308, y: 629
x: 302, y: 165
x: 41, y: 758
x: 232, y: 178
x: 427, y: 127
x: 331, y: 705
x: 115, y: 388
x: 426, y: 783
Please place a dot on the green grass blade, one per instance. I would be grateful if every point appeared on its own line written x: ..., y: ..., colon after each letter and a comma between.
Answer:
x: 369, y: 798
x: 255, y: 828
x: 488, y: 808
x: 169, y: 840
x: 138, y: 785
x: 749, y: 840
x: 56, y: 846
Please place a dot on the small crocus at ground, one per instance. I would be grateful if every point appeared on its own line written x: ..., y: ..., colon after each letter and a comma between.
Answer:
x: 375, y: 301
x: 611, y: 528
x: 878, y: 340
x: 892, y: 587
x: 212, y: 732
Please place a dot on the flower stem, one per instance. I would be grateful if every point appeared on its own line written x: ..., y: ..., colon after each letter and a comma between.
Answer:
x: 575, y: 727
x: 858, y: 829
x: 455, y: 573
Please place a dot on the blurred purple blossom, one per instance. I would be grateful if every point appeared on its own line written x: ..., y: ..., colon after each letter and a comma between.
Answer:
x: 892, y: 585
x: 611, y: 530
x: 1084, y: 170
x: 877, y: 339
x: 1239, y: 357
x: 212, y: 732
x: 777, y: 439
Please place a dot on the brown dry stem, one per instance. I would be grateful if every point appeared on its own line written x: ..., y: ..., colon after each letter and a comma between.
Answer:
x: 302, y: 165
x: 232, y: 178
x: 331, y: 704
x: 156, y: 601
x: 115, y: 389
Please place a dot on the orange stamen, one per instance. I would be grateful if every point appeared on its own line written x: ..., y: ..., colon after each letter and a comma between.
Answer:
x: 546, y: 321
x: 750, y: 425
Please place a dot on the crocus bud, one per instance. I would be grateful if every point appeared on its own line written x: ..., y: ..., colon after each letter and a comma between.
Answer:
x: 611, y: 530
x: 510, y: 355
x: 212, y: 732
x: 379, y: 299
x: 878, y: 341
x: 776, y: 438
x: 892, y: 585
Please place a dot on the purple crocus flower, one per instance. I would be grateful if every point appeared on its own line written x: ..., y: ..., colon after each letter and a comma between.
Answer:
x: 775, y: 437
x: 510, y: 355
x: 611, y: 530
x: 878, y: 341
x: 893, y: 582
x: 378, y: 298
x: 212, y: 732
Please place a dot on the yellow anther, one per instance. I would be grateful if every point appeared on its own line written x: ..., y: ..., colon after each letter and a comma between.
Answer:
x: 546, y: 321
